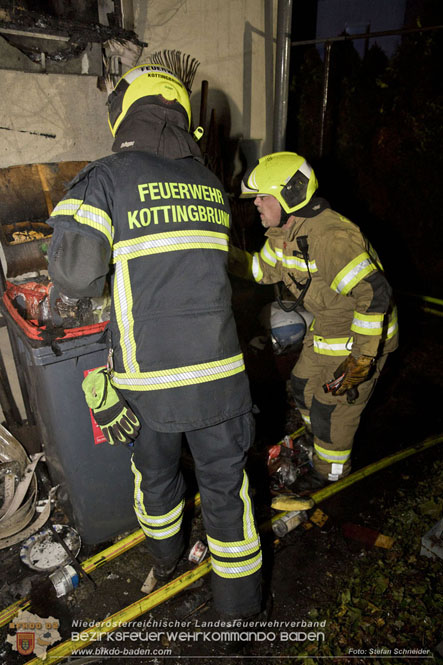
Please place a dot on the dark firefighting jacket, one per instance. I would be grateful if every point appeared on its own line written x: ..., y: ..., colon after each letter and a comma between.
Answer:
x: 348, y: 293
x: 159, y: 228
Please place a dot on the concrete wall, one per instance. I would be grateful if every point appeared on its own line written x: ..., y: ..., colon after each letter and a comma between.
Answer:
x: 51, y: 117
x: 233, y: 40
x: 69, y: 110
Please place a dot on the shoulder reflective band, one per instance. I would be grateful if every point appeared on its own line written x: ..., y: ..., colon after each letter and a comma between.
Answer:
x: 67, y: 207
x: 337, y: 346
x: 180, y: 376
x: 86, y: 214
x: 96, y: 219
x: 367, y: 324
x: 353, y: 273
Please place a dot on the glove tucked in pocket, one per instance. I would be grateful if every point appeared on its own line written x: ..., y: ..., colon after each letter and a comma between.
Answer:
x: 112, y: 414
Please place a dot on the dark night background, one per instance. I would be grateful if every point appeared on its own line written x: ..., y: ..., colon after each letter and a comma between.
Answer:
x: 382, y: 153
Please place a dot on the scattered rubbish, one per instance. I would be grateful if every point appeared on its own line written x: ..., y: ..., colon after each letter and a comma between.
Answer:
x: 367, y: 536
x: 34, y: 302
x: 26, y: 231
x: 18, y: 491
x: 432, y: 542
x: 198, y: 552
x: 72, y: 558
x: 287, y: 462
x: 288, y: 522
x: 319, y: 518
x: 149, y: 583
x: 30, y: 298
x: 43, y: 553
x: 64, y: 580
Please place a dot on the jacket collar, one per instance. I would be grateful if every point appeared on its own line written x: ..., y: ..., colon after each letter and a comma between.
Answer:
x: 311, y: 210
x: 157, y: 129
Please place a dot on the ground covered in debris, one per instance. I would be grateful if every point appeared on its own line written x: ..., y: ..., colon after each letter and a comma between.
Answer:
x: 333, y: 591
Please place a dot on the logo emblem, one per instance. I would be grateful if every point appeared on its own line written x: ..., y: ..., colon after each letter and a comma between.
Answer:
x: 25, y: 643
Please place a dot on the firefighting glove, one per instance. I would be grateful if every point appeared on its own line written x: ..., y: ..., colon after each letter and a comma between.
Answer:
x: 351, y: 373
x: 112, y: 414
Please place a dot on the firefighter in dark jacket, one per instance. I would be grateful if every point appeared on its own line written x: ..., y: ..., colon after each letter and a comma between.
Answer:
x: 329, y: 267
x: 156, y: 221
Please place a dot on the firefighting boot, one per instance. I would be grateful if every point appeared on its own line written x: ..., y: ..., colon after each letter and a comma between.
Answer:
x: 163, y: 573
x: 159, y: 575
x: 309, y: 482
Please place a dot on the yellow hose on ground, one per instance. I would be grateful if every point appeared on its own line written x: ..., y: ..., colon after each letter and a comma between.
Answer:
x: 159, y: 596
x: 124, y: 616
x: 94, y: 562
x: 106, y: 555
x: 333, y: 488
x: 425, y: 299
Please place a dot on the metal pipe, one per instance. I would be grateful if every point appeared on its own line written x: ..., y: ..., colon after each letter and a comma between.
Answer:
x: 324, y: 104
x: 282, y: 73
x: 366, y: 35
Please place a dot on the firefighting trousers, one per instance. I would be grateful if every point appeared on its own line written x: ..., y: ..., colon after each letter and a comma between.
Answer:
x: 332, y: 419
x: 219, y: 454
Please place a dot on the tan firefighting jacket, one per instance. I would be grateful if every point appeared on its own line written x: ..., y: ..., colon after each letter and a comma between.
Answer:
x: 349, y: 295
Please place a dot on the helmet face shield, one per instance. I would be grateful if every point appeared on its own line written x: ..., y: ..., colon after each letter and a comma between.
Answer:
x: 145, y: 81
x: 285, y: 175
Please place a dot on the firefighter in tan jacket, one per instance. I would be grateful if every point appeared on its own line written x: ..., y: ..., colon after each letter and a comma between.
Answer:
x: 331, y: 269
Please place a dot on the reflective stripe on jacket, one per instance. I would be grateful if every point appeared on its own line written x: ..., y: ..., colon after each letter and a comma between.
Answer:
x: 160, y: 227
x: 349, y: 295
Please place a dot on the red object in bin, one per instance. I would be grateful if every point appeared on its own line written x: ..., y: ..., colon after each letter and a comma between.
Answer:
x: 34, y: 331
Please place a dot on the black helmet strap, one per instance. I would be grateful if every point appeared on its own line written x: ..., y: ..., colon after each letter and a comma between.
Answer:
x: 284, y: 216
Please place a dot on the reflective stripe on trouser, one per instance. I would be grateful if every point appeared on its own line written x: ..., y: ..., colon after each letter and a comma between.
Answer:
x: 219, y: 454
x: 158, y: 492
x: 333, y: 420
x: 157, y: 527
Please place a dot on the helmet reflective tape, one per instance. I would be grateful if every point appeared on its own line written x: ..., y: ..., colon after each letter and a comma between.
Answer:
x: 145, y: 81
x: 249, y: 186
x: 285, y: 175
